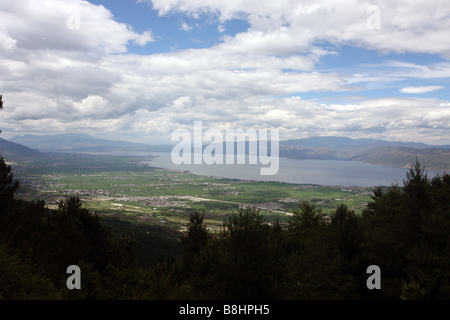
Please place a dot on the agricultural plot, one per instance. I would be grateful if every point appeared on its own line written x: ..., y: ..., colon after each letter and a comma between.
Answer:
x: 126, y: 188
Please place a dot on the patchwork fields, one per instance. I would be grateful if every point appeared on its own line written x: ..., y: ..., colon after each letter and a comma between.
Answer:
x: 127, y: 188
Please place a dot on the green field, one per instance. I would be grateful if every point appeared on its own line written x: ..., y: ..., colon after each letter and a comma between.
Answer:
x: 127, y: 188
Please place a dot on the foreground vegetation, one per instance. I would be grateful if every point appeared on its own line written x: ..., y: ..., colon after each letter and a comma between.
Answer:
x: 308, y: 255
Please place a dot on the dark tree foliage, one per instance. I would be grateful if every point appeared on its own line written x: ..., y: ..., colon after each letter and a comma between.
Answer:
x: 45, y: 242
x: 407, y: 233
x: 314, y: 265
x: 7, y: 187
x: 404, y: 230
x: 38, y: 244
x: 247, y: 267
x: 346, y: 233
x: 19, y: 281
x: 196, y: 236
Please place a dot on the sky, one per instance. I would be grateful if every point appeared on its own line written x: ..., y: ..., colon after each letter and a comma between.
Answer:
x: 139, y: 70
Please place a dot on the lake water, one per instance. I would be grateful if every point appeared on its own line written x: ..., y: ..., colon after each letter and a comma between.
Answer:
x: 320, y: 172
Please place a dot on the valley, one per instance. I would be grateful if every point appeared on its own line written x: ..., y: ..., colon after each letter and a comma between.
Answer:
x: 128, y: 188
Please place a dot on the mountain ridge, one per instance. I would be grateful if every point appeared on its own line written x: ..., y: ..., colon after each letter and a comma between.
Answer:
x: 79, y: 142
x: 375, y: 151
x: 16, y: 151
x: 317, y: 141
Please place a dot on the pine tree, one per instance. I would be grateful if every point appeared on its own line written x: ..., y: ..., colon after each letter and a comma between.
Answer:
x: 7, y: 186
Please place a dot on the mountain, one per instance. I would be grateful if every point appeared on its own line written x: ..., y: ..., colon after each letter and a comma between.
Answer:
x: 75, y: 142
x: 398, y: 154
x: 431, y: 158
x: 344, y: 142
x: 12, y: 151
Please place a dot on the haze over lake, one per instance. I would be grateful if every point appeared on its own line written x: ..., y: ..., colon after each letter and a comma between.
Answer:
x: 320, y: 172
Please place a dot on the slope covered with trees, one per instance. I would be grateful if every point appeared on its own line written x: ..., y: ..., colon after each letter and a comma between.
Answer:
x: 404, y: 231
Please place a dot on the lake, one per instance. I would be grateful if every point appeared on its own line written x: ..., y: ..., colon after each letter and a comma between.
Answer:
x: 319, y: 172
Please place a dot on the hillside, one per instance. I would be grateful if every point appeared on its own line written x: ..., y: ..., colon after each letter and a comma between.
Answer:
x: 82, y: 143
x: 398, y: 154
x: 13, y: 151
x: 431, y: 158
x: 344, y: 142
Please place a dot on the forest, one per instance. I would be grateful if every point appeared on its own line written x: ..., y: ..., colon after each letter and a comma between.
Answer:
x: 405, y: 231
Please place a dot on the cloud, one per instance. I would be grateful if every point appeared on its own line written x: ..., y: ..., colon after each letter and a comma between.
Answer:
x: 6, y: 42
x: 416, y: 90
x: 388, y: 118
x: 185, y: 27
x: 51, y: 60
x: 69, y: 26
x: 66, y: 66
x: 302, y: 23
x: 144, y: 38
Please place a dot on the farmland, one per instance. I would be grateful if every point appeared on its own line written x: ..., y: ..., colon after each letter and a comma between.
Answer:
x: 126, y: 187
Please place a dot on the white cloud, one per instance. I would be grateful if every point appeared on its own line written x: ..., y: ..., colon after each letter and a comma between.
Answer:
x: 144, y: 38
x: 6, y: 42
x: 66, y: 26
x: 185, y: 27
x: 419, y: 26
x: 416, y: 90
x: 51, y: 60
x: 65, y: 66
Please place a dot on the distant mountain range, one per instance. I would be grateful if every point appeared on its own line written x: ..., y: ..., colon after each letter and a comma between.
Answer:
x: 15, y: 151
x: 74, y: 142
x: 398, y: 154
